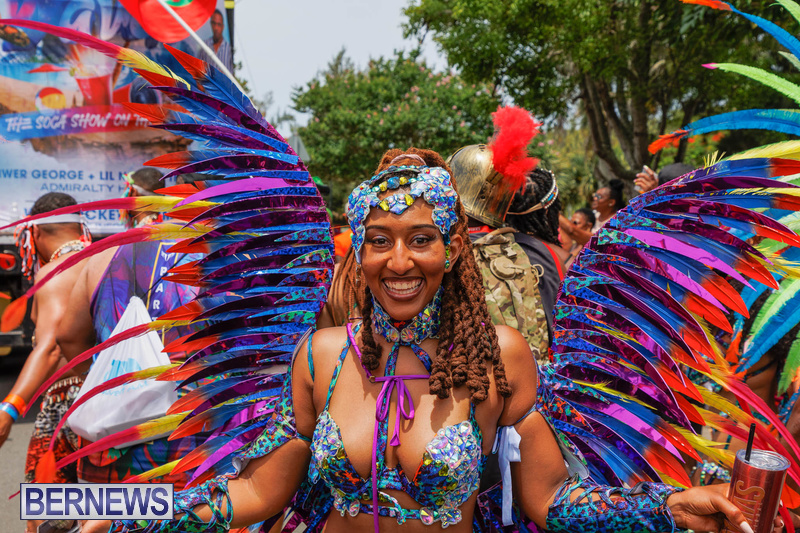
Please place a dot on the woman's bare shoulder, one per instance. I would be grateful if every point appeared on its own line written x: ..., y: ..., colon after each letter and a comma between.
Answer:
x: 514, y: 351
x: 521, y: 374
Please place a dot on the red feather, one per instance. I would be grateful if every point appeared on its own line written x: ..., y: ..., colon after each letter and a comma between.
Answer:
x: 156, y: 114
x: 104, y: 47
x: 197, y: 68
x: 128, y: 204
x: 155, y: 79
x: 715, y: 4
x: 171, y: 160
x: 515, y: 129
x: 665, y: 140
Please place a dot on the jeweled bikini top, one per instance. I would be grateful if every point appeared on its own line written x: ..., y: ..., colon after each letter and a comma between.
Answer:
x: 451, y: 465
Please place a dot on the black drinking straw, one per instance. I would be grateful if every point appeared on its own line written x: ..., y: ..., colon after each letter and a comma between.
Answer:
x: 750, y: 442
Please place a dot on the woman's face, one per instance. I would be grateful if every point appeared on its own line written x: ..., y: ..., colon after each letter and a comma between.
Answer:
x: 601, y: 200
x: 403, y: 259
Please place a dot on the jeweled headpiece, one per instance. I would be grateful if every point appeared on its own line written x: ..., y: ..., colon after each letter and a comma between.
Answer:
x: 546, y: 202
x: 430, y: 183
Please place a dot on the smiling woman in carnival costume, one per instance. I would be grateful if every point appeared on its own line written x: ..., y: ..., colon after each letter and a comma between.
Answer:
x: 397, y: 415
x: 387, y: 424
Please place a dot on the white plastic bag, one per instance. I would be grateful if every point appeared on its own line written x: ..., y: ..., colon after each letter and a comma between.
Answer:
x: 124, y: 407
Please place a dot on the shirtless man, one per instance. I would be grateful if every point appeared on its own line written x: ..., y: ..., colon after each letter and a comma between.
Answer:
x: 52, y: 242
x: 98, y: 299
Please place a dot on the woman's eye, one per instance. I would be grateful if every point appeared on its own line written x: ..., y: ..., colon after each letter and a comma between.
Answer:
x: 379, y: 241
x: 421, y: 240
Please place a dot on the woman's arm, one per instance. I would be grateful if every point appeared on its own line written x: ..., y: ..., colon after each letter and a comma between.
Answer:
x: 262, y: 490
x: 576, y: 234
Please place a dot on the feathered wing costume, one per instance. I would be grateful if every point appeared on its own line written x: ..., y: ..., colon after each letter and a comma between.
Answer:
x: 265, y: 233
x: 639, y: 301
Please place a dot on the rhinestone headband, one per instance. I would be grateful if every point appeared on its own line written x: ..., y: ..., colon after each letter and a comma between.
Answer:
x: 430, y: 183
x: 546, y: 202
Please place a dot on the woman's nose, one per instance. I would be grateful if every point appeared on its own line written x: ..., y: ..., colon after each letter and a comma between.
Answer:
x: 400, y: 259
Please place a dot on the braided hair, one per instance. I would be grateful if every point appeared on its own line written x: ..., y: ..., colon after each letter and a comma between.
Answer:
x: 467, y: 337
x: 543, y: 223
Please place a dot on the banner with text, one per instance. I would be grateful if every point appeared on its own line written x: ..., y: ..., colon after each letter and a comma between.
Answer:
x: 63, y: 123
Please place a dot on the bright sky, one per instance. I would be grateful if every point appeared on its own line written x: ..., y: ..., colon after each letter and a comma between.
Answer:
x: 283, y: 44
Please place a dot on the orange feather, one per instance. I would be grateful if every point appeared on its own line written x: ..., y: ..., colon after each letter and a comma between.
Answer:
x: 716, y: 4
x: 14, y: 314
x: 46, y: 468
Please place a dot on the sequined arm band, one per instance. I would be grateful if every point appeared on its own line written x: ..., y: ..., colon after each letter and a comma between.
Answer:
x: 601, y: 509
x: 213, y: 493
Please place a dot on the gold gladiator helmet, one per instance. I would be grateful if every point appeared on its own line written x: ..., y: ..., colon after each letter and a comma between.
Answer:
x: 488, y: 175
x: 483, y: 191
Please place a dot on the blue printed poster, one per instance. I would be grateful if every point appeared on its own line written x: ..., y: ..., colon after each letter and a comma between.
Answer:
x: 63, y: 123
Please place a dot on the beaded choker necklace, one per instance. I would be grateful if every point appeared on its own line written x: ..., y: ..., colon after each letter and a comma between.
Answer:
x: 423, y: 326
x: 72, y: 246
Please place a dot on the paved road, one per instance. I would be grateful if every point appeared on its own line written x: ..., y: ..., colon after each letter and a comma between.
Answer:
x: 12, y: 454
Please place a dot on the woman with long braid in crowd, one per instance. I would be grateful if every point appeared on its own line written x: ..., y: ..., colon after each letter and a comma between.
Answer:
x: 424, y: 350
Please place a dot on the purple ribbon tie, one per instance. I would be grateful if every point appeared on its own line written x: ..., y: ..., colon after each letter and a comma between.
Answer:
x: 381, y: 413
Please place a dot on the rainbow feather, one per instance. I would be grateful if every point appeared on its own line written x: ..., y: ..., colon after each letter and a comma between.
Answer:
x: 266, y: 235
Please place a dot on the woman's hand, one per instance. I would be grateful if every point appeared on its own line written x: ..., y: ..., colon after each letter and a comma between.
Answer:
x: 706, y: 508
x: 646, y: 180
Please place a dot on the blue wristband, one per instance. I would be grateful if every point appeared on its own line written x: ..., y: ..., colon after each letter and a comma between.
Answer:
x: 10, y: 409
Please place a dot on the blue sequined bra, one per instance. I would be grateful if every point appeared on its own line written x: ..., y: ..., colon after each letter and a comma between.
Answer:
x: 447, y: 476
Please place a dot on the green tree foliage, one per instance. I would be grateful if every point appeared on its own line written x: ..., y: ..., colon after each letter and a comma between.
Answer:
x: 357, y: 114
x: 632, y: 68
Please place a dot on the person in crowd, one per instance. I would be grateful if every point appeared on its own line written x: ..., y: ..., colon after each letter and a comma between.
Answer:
x: 47, y: 242
x: 98, y: 300
x: 534, y: 213
x: 582, y: 219
x: 647, y: 180
x: 516, y: 248
x: 217, y: 42
x: 606, y: 201
x: 426, y: 328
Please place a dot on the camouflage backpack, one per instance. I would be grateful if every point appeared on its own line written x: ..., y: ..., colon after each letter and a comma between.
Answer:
x: 512, y: 288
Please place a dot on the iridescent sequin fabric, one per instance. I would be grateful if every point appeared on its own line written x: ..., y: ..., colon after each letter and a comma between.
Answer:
x: 446, y: 477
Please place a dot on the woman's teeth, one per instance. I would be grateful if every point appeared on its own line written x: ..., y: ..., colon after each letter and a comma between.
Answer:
x: 403, y: 287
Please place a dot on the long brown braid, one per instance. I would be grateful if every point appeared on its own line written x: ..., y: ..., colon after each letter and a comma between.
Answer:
x: 346, y: 296
x: 467, y: 337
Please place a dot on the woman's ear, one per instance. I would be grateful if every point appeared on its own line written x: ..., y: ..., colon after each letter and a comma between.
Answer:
x: 456, y: 247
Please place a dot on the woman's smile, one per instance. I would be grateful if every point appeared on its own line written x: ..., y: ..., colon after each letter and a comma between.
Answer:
x: 403, y: 288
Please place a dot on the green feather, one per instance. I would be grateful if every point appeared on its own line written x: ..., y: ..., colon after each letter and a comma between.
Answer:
x: 792, y: 59
x: 762, y: 76
x: 792, y: 7
x: 790, y: 367
x: 774, y: 303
